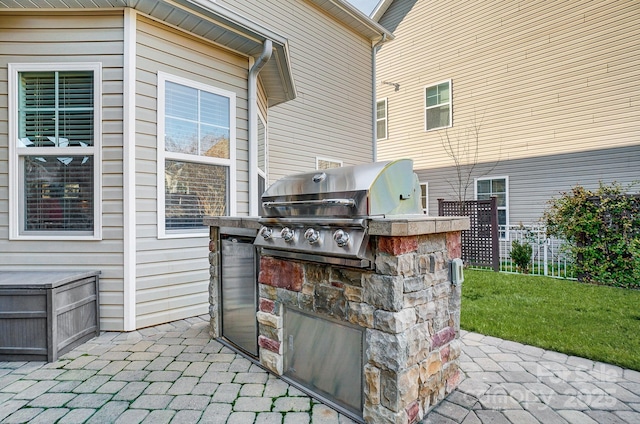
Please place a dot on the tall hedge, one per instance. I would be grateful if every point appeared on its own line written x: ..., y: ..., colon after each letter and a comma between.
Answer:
x: 602, y: 229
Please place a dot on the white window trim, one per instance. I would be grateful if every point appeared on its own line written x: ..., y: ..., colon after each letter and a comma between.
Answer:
x: 424, y: 94
x: 385, y: 119
x: 425, y: 210
x: 162, y: 155
x: 16, y: 182
x: 318, y: 159
x: 506, y: 207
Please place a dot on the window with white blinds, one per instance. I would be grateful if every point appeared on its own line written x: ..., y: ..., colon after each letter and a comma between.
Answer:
x: 55, y: 149
x: 197, y: 142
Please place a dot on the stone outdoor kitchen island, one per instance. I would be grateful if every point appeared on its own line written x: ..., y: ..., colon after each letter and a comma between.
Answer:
x: 407, y: 307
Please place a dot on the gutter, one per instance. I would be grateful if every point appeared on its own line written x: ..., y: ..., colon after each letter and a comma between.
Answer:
x: 252, y: 110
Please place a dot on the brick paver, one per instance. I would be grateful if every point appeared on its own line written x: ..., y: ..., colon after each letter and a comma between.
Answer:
x: 174, y: 373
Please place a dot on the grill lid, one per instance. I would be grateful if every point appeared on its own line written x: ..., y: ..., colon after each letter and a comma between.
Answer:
x: 374, y: 189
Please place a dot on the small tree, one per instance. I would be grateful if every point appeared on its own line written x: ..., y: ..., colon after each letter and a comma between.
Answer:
x: 602, y: 229
x: 463, y: 147
x: 521, y: 255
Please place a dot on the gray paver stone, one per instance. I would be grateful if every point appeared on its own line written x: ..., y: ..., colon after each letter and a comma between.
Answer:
x: 114, y: 367
x: 18, y: 386
x: 604, y: 417
x: 227, y: 392
x: 130, y: 376
x: 77, y: 416
x: 132, y: 416
x: 432, y: 418
x: 177, y: 366
x: 111, y: 387
x: 196, y: 369
x: 241, y: 418
x: 52, y: 400
x: 216, y: 413
x: 65, y: 386
x: 217, y: 377
x: 195, y: 402
x: 159, y: 416
x: 45, y: 374
x: 269, y: 418
x: 109, y: 412
x: 493, y: 417
x: 240, y: 365
x: 499, y: 402
x: 520, y: 417
x: 80, y: 375
x: 89, y: 400
x: 252, y: 390
x: 254, y: 404
x: 36, y: 390
x: 576, y: 417
x: 204, y: 389
x: 251, y: 377
x: 275, y: 388
x: 92, y: 384
x: 49, y: 416
x: 158, y: 388
x: 543, y: 413
x: 152, y: 401
x: 24, y: 415
x: 187, y: 416
x: 297, y: 418
x: 159, y: 364
x: 183, y: 386
x: 80, y: 362
x: 451, y: 410
x: 471, y: 418
x: 295, y: 404
x: 132, y: 390
x: 162, y: 376
x: 322, y: 414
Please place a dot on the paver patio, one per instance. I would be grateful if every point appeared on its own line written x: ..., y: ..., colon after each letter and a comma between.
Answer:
x: 175, y: 373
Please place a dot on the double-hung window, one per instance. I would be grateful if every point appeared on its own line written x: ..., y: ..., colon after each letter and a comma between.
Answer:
x: 498, y: 187
x: 55, y: 150
x: 196, y: 154
x: 381, y: 119
x: 437, y: 100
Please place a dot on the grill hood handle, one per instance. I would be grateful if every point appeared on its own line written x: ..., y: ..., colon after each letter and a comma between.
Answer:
x: 322, y: 202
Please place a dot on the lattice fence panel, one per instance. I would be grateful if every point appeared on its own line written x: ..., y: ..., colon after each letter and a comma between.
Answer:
x: 479, y: 243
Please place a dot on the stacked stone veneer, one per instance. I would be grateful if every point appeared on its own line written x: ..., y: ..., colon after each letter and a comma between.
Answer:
x: 408, y: 307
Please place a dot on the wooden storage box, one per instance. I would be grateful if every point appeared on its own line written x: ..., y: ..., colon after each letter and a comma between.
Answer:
x: 46, y: 314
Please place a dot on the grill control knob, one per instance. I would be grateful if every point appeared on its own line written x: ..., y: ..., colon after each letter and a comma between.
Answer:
x: 287, y: 234
x: 311, y: 235
x: 341, y: 238
x: 266, y: 233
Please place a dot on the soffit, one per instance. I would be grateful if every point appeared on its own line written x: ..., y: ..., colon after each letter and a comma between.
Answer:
x: 205, y: 19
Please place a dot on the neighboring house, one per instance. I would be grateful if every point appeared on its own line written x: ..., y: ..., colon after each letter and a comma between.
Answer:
x: 124, y: 122
x: 549, y: 92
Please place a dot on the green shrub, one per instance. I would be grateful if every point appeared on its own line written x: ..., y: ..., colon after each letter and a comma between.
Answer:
x: 602, y: 229
x: 521, y: 255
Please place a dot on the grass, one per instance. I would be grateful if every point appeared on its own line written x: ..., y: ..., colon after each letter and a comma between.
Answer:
x: 596, y: 322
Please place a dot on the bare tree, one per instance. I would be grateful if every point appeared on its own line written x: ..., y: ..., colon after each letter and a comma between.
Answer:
x: 463, y: 147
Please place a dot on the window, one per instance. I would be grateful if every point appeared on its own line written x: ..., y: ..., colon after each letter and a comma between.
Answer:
x: 424, y: 197
x: 437, y: 106
x: 196, y: 154
x: 323, y: 163
x: 381, y: 119
x: 55, y: 150
x: 498, y: 187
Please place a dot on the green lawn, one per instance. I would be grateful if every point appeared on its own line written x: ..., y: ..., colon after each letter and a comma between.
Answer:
x: 596, y: 322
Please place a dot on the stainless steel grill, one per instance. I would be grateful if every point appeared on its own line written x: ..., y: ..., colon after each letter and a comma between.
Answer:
x: 323, y: 216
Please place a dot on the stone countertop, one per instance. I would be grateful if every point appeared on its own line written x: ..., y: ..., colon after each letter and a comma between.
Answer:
x: 389, y: 226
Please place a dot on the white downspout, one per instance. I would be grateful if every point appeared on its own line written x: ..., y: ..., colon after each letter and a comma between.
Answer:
x: 252, y: 109
x: 374, y: 116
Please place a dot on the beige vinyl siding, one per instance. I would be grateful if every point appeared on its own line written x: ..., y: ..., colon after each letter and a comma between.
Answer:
x: 541, y: 78
x: 331, y: 66
x: 172, y: 274
x: 71, y: 37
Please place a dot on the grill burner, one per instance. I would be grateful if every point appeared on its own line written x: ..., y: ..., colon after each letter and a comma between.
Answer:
x: 323, y: 216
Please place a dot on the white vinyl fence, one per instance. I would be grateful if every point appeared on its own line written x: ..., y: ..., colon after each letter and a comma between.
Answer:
x: 547, y: 258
